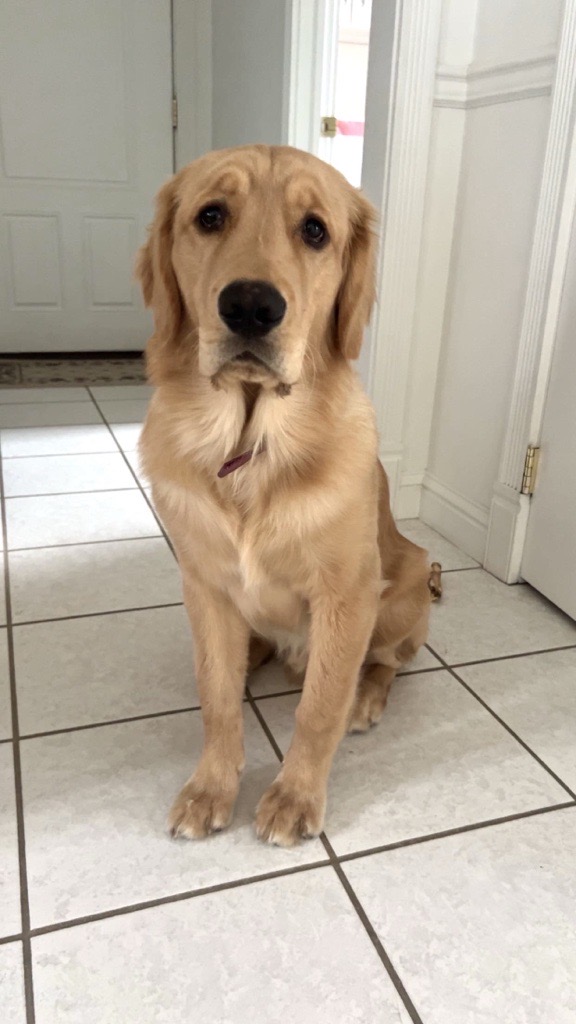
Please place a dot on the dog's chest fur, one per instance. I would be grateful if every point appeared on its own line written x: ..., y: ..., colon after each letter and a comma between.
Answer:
x: 253, y: 534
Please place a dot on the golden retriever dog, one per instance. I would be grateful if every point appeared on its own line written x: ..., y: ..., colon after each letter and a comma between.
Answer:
x: 262, y: 453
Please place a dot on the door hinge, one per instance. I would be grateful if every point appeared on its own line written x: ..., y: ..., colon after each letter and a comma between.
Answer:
x: 530, y: 469
x: 174, y: 111
x: 328, y: 127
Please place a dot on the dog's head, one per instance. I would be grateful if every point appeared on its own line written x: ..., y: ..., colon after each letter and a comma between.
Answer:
x: 266, y: 255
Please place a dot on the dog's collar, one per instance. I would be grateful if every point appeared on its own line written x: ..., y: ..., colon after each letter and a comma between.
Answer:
x: 239, y: 460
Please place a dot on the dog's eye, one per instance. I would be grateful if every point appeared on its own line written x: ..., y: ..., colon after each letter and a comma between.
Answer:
x: 212, y: 217
x: 314, y: 233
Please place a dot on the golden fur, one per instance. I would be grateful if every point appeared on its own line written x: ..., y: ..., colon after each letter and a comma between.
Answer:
x: 298, y: 549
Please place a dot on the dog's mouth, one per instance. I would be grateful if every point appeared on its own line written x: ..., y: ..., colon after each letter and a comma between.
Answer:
x: 255, y: 361
x: 249, y: 357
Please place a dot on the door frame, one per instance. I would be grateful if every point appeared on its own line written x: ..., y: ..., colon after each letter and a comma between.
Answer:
x: 399, y: 112
x: 306, y: 21
x: 510, y: 508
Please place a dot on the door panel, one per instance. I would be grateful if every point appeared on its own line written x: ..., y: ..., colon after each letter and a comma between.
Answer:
x: 85, y: 119
x: 549, y: 561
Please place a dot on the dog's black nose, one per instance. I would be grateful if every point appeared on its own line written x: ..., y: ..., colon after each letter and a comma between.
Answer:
x: 251, y: 308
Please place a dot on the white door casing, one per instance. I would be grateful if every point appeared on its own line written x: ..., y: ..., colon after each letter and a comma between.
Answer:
x: 549, y: 558
x: 86, y: 140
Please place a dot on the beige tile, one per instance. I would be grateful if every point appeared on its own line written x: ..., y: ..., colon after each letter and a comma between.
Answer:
x: 2, y: 593
x: 437, y: 760
x: 110, y: 789
x: 86, y: 578
x: 134, y: 460
x: 56, y: 441
x: 52, y: 520
x: 81, y: 671
x: 128, y: 410
x: 48, y: 414
x: 287, y: 949
x: 480, y: 617
x: 10, y: 920
x: 120, y: 392
x: 12, y: 984
x: 127, y: 435
x: 33, y: 395
x: 439, y: 549
x: 62, y: 474
x: 480, y: 926
x: 5, y: 704
x: 535, y: 696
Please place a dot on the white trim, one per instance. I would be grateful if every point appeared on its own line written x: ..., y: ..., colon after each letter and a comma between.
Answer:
x: 506, y: 531
x: 409, y: 498
x: 328, y: 48
x: 454, y: 516
x: 305, y: 21
x: 481, y: 85
x: 402, y: 202
x: 554, y: 217
x: 193, y: 78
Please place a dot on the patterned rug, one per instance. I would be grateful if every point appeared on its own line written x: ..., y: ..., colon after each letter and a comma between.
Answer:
x: 38, y: 371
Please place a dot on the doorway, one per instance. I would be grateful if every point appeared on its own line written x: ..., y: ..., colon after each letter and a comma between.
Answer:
x: 344, y: 80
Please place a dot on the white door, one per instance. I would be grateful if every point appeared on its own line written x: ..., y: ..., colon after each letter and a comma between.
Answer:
x: 86, y: 137
x: 344, y: 78
x: 549, y: 561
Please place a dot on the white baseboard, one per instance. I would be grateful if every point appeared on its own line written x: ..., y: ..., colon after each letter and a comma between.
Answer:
x: 461, y: 521
x: 409, y: 496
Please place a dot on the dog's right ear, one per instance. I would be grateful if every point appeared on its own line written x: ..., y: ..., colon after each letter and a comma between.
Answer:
x: 155, y: 272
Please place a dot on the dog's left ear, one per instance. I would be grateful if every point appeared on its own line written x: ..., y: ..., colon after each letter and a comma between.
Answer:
x: 358, y: 289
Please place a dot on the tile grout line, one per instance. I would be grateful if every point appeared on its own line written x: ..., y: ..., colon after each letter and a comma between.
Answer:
x: 66, y: 494
x: 84, y: 543
x: 60, y: 455
x: 96, y: 614
x: 133, y: 472
x: 160, y: 714
x: 476, y: 826
x: 462, y: 568
x: 357, y: 906
x: 372, y: 933
x: 113, y: 721
x: 504, y: 724
x: 178, y: 897
x: 510, y: 657
x: 23, y: 874
x: 190, y: 894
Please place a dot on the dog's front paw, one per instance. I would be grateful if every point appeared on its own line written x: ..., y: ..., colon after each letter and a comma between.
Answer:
x: 284, y: 816
x: 200, y: 809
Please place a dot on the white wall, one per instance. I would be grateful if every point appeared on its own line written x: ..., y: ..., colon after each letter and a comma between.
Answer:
x: 249, y: 38
x: 496, y: 67
x: 509, y: 30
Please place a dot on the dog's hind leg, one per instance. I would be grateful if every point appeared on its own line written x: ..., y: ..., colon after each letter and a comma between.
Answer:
x: 384, y: 659
x: 260, y: 653
x: 371, y: 697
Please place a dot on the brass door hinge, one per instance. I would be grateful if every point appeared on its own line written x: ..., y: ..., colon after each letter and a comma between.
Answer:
x: 328, y: 127
x: 174, y: 112
x: 530, y: 469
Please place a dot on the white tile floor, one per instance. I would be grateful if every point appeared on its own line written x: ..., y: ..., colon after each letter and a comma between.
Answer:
x: 444, y: 889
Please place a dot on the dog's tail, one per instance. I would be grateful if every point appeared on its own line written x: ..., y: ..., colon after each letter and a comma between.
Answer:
x: 435, y: 581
